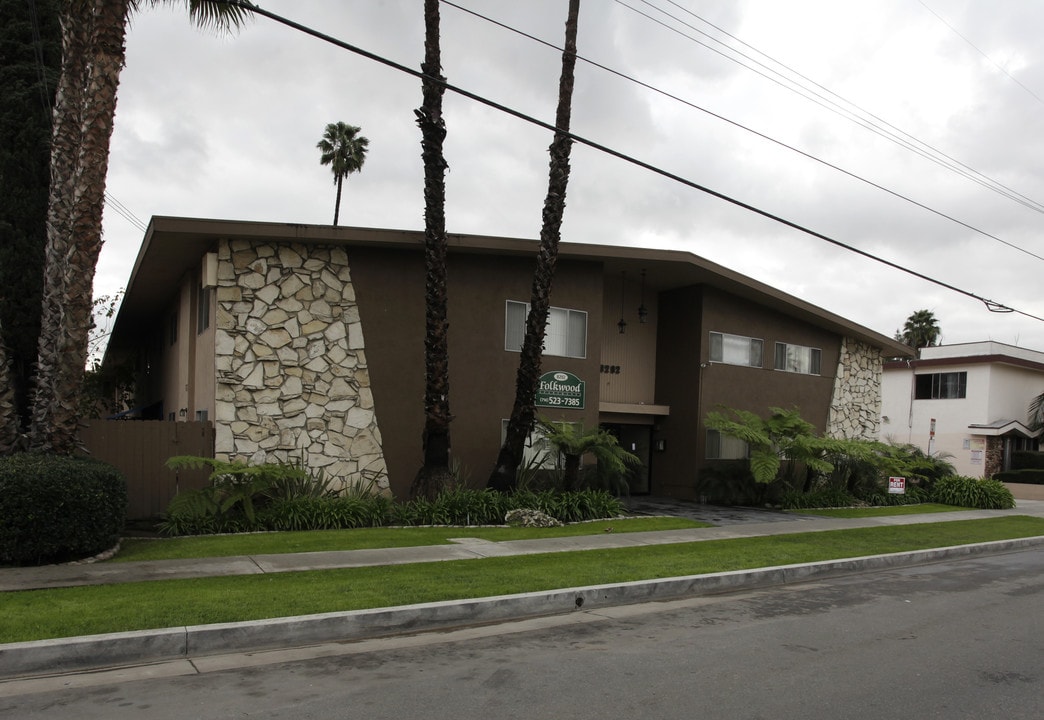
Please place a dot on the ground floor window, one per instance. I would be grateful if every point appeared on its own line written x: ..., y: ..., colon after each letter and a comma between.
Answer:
x: 725, y: 447
x: 538, y: 453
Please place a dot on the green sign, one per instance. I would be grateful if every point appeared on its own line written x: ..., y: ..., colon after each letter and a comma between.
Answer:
x: 559, y: 389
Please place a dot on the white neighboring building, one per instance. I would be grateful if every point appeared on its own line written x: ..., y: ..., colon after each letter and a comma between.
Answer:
x: 976, y: 394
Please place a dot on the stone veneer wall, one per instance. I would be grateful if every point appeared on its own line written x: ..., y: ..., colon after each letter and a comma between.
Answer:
x: 855, y: 409
x: 292, y: 379
x: 994, y: 456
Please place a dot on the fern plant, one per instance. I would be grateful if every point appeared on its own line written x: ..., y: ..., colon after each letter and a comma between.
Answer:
x: 573, y: 442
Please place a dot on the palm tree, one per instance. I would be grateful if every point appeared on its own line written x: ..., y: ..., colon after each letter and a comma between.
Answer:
x: 504, y: 475
x: 9, y: 426
x: 435, y: 473
x: 93, y: 54
x: 573, y: 442
x: 344, y: 150
x: 1036, y: 413
x: 920, y: 330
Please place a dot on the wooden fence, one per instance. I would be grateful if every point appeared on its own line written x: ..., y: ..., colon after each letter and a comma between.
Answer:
x: 140, y: 448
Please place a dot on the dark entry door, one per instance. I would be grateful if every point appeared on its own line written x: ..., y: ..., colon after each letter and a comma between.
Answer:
x: 636, y: 439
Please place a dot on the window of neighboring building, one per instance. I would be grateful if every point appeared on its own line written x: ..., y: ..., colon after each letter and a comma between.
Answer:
x: 798, y: 358
x: 736, y: 349
x: 565, y: 334
x: 172, y: 328
x: 725, y: 447
x: 201, y: 415
x: 203, y: 310
x: 941, y: 386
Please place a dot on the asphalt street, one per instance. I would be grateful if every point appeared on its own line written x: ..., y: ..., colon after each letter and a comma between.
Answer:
x: 956, y: 639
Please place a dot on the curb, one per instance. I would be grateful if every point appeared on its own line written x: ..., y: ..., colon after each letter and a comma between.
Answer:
x: 95, y: 652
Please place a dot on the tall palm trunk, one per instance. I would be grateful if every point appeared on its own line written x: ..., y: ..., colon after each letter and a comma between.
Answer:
x: 504, y: 475
x: 9, y: 424
x: 337, y: 204
x: 435, y: 472
x: 93, y: 33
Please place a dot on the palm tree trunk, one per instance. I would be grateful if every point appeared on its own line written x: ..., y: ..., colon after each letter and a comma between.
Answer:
x: 434, y: 473
x: 504, y: 473
x: 337, y: 205
x: 93, y: 33
x: 9, y: 421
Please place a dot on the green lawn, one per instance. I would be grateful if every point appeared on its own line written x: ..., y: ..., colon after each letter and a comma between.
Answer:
x: 879, y: 511
x: 366, y: 538
x: 39, y: 614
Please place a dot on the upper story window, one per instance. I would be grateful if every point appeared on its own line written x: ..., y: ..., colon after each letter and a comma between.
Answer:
x: 941, y: 386
x: 736, y: 349
x: 565, y: 334
x: 798, y: 358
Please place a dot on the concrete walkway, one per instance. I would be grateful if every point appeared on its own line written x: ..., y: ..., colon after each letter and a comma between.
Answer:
x: 118, y: 649
x: 731, y: 523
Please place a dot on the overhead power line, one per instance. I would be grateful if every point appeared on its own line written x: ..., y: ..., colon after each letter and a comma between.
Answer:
x: 976, y: 49
x: 859, y: 116
x: 123, y: 211
x: 745, y: 128
x: 992, y: 305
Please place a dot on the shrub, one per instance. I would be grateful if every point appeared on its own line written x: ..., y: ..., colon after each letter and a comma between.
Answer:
x: 308, y: 513
x: 730, y: 482
x: 55, y: 509
x: 973, y: 492
x: 1027, y: 460
x: 1029, y: 476
x: 238, y: 492
x: 827, y: 498
x: 913, y: 496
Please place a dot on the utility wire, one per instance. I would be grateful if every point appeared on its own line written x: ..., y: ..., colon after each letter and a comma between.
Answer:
x: 761, y: 135
x: 976, y: 49
x: 123, y: 211
x: 929, y: 153
x: 990, y: 304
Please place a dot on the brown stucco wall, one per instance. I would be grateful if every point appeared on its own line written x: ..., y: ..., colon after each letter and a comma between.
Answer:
x: 687, y: 317
x: 390, y: 292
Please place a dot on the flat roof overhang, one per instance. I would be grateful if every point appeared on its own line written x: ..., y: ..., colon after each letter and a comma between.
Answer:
x: 174, y: 245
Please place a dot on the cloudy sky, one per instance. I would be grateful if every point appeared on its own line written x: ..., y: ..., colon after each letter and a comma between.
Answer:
x: 907, y: 129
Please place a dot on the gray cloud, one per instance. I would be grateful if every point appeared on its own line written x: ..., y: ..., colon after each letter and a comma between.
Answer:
x: 226, y: 127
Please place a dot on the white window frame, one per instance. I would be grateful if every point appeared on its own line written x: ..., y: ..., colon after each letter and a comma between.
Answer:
x: 562, y: 336
x: 800, y: 359
x: 537, y: 447
x: 755, y: 350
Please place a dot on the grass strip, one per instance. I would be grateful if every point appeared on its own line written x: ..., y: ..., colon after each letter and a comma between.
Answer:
x: 65, y: 612
x: 270, y: 543
x: 882, y: 511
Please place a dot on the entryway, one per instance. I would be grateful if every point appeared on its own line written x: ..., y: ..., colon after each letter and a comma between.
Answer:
x: 635, y: 439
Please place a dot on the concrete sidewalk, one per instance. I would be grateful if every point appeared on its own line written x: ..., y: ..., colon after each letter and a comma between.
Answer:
x: 77, y: 654
x: 107, y: 573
